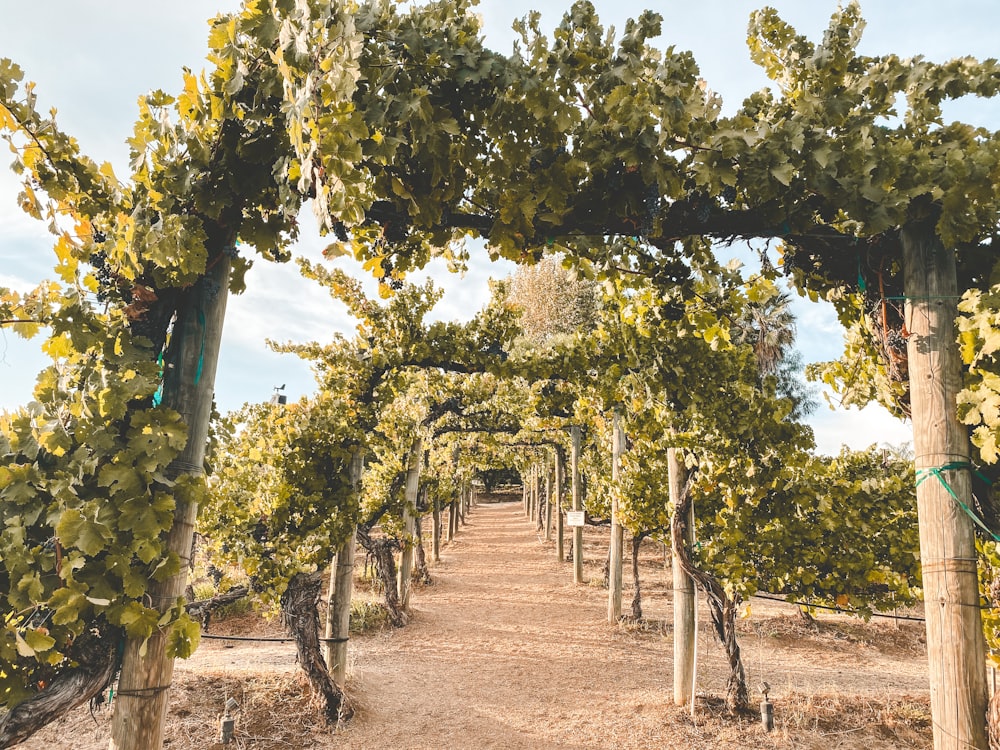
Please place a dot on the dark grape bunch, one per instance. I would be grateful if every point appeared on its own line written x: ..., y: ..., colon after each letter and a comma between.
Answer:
x: 894, y: 341
x: 107, y: 280
x: 211, y: 287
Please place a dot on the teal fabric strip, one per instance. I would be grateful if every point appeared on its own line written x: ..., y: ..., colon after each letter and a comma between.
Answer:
x: 201, y: 354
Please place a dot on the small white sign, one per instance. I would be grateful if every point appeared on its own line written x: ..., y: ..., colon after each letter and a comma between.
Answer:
x: 576, y: 518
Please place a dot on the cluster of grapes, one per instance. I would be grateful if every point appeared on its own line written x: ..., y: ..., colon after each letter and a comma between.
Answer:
x: 729, y: 194
x: 340, y: 231
x: 211, y: 287
x: 233, y: 251
x: 107, y: 280
x: 894, y: 341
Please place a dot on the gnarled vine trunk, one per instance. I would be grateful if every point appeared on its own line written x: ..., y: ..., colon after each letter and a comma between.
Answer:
x: 300, y: 616
x: 381, y: 552
x: 423, y: 573
x: 95, y: 654
x: 636, y: 588
x: 721, y: 607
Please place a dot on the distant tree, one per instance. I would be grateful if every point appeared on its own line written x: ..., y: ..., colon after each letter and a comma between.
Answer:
x: 553, y: 301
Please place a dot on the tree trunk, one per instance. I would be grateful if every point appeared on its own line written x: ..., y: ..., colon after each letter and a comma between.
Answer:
x: 683, y: 597
x: 721, y: 607
x: 955, y: 646
x: 300, y: 616
x: 188, y: 387
x: 423, y: 573
x: 636, y: 589
x: 617, y: 533
x: 94, y: 654
x: 382, y: 551
x: 409, y: 525
x: 576, y: 435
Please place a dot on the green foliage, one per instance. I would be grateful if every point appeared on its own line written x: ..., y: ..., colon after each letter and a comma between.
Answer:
x: 408, y: 135
x: 979, y: 339
x: 86, y: 500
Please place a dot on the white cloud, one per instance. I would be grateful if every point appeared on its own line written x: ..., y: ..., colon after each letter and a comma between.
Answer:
x: 857, y: 429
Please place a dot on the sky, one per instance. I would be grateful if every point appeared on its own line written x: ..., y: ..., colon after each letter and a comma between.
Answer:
x: 92, y: 60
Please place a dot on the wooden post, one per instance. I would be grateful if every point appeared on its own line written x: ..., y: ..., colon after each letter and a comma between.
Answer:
x: 531, y: 491
x: 436, y: 531
x: 560, y: 472
x: 524, y: 492
x: 576, y: 435
x: 338, y: 617
x: 463, y: 502
x: 409, y: 524
x: 955, y: 646
x: 540, y: 494
x: 188, y: 386
x: 684, y: 600
x: 617, y: 533
x: 548, y: 503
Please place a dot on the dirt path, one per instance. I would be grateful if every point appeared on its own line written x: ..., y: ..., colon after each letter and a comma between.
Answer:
x: 503, y: 651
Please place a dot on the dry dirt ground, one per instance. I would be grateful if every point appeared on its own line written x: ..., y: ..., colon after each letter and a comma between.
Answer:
x: 503, y: 651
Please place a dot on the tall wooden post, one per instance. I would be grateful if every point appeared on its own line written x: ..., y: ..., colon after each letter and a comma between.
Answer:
x: 548, y: 502
x: 560, y: 473
x: 617, y: 533
x: 436, y: 531
x: 409, y: 523
x: 955, y: 646
x: 188, y: 387
x: 684, y: 600
x: 532, y: 489
x: 576, y: 436
x: 542, y: 497
x: 338, y: 618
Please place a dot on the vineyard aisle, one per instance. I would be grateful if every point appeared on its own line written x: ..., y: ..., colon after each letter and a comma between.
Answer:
x: 504, y: 651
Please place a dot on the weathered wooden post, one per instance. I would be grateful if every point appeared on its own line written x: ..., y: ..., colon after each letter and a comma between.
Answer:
x: 956, y: 651
x: 188, y: 387
x: 560, y: 472
x: 684, y: 600
x: 532, y: 487
x: 436, y: 531
x: 617, y: 533
x: 548, y: 502
x: 542, y: 497
x: 338, y: 619
x: 576, y: 436
x: 409, y: 524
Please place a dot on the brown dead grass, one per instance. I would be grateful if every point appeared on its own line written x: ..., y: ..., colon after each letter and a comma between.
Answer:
x: 504, y: 652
